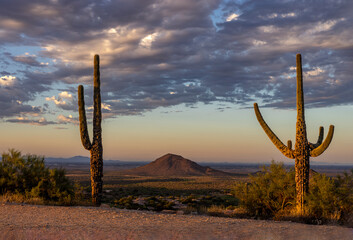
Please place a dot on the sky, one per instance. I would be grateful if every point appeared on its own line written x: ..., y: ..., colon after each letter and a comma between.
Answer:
x: 176, y: 76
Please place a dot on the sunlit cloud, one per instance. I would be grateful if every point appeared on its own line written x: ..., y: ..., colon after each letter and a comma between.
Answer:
x: 64, y: 100
x: 42, y: 121
x: 315, y: 72
x: 56, y: 101
x: 106, y: 106
x: 232, y: 17
x: 258, y: 42
x: 324, y: 26
x: 103, y: 106
x: 7, y: 80
x: 65, y: 120
x: 148, y: 40
x: 282, y: 15
x: 65, y: 95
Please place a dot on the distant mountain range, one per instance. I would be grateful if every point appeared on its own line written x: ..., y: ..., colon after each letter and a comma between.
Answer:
x: 76, y: 159
x: 86, y: 160
x: 174, y: 165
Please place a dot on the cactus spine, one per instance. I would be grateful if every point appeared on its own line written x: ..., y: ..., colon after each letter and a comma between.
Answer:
x: 95, y: 148
x: 303, y: 150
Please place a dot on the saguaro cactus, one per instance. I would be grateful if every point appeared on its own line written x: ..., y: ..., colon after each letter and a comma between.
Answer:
x: 95, y: 147
x: 303, y: 149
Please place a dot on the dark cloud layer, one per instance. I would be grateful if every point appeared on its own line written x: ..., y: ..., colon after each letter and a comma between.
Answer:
x: 160, y: 53
x: 27, y: 60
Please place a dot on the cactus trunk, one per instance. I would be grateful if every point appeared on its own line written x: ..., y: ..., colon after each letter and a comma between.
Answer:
x: 96, y: 173
x: 303, y: 149
x: 95, y: 148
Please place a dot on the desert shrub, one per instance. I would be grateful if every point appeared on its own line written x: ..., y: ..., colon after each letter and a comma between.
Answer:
x: 345, y: 194
x: 20, y: 173
x: 330, y: 199
x: 127, y: 203
x: 54, y: 185
x: 28, y: 176
x: 270, y: 191
x: 158, y: 204
x: 218, y: 211
x: 217, y: 200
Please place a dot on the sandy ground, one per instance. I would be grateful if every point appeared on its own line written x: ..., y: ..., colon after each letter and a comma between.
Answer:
x: 49, y: 222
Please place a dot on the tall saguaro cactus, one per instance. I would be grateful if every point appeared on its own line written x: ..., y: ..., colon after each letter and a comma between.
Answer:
x: 95, y: 148
x: 303, y: 149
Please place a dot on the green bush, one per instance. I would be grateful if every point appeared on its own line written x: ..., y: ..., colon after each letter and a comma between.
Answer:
x: 28, y: 176
x: 126, y: 202
x: 331, y: 199
x: 345, y: 195
x: 158, y: 204
x: 270, y: 191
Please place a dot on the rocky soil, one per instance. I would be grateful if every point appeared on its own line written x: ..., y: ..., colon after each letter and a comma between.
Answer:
x: 49, y: 222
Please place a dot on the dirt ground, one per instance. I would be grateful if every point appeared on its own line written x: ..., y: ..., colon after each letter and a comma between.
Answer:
x: 49, y: 222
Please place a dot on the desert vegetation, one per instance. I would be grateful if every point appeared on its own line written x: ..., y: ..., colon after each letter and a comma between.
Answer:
x: 25, y: 178
x: 178, y: 194
x: 271, y: 194
x: 267, y: 194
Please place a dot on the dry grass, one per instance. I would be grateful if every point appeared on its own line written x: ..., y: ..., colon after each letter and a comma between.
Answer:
x: 332, y: 219
x: 19, y: 198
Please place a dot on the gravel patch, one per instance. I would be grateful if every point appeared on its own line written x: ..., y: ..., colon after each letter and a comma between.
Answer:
x: 52, y: 222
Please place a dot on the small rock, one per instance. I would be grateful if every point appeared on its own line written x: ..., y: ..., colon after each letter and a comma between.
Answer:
x: 168, y: 211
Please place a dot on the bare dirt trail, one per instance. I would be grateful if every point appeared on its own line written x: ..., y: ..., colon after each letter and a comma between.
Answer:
x: 49, y: 222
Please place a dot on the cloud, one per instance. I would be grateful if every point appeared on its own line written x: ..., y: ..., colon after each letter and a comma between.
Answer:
x: 65, y: 120
x: 283, y: 15
x: 148, y: 40
x: 56, y: 101
x: 28, y: 60
x: 60, y: 101
x: 164, y: 53
x: 324, y: 26
x: 232, y: 17
x: 104, y: 106
x: 65, y: 94
x: 7, y: 80
x: 24, y: 120
x: 13, y: 98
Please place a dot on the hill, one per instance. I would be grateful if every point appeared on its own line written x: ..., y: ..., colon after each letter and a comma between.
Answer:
x: 73, y: 160
x: 174, y: 165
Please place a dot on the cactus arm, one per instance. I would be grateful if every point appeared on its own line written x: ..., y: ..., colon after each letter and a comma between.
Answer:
x: 97, y: 119
x: 83, y: 122
x: 287, y: 151
x: 289, y: 144
x: 319, y: 140
x: 323, y: 146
